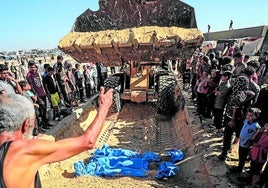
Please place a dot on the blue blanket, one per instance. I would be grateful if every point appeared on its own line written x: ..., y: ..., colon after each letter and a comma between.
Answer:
x: 110, y: 162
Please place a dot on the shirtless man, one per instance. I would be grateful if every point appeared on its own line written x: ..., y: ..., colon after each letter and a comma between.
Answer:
x: 21, y: 156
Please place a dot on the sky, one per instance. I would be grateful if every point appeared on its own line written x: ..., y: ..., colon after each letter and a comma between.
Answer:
x: 40, y: 24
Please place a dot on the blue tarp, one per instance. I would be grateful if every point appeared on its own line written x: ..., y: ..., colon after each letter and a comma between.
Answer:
x: 112, y: 162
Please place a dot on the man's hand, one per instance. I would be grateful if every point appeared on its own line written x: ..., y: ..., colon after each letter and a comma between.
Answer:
x: 105, y: 98
x: 11, y: 78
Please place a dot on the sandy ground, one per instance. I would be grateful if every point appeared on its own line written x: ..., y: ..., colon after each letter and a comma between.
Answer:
x: 135, y: 128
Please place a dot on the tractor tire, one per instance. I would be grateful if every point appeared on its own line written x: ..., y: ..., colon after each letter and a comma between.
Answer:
x: 166, y: 95
x: 114, y: 83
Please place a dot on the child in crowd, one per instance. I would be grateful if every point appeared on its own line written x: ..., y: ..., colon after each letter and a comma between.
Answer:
x: 212, y: 84
x: 248, y: 130
x: 258, y: 155
x: 52, y: 90
x: 186, y: 73
x: 26, y: 91
x: 202, y: 90
x: 221, y: 93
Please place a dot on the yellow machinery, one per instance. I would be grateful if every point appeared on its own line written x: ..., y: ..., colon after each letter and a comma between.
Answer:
x: 140, y: 36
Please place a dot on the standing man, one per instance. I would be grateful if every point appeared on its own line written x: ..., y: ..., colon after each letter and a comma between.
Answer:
x: 35, y: 82
x: 21, y: 157
x: 14, y: 70
x: 208, y: 28
x: 238, y: 64
x: 52, y: 90
x: 87, y: 79
x: 23, y: 70
x: 249, y: 72
x: 61, y: 78
x: 262, y: 70
x: 79, y: 82
x: 8, y: 84
x: 40, y: 68
x: 234, y: 117
x: 104, y: 73
x: 262, y: 103
x: 264, y: 57
x: 56, y: 65
x: 112, y: 70
x: 95, y: 77
x: 8, y: 68
x: 231, y: 25
x: 72, y: 85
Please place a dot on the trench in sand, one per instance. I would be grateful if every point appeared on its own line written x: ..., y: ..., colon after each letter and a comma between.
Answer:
x: 138, y: 127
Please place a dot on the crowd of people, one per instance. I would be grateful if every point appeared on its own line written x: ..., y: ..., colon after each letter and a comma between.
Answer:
x: 23, y: 113
x: 232, y: 90
x: 56, y: 88
x: 229, y: 88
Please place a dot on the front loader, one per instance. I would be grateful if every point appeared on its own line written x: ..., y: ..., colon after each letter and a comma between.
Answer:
x: 141, y: 37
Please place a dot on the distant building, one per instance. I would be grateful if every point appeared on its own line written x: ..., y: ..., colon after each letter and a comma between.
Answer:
x: 252, y: 41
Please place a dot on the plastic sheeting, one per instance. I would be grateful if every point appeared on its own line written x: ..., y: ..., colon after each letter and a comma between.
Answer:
x: 111, y: 162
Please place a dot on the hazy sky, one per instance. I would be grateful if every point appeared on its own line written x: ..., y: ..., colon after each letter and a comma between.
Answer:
x: 28, y: 24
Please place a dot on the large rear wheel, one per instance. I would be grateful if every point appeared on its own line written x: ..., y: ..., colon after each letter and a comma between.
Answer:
x: 114, y: 83
x: 166, y: 95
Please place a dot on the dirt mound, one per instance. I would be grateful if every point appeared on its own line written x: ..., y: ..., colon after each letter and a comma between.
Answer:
x: 140, y: 44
